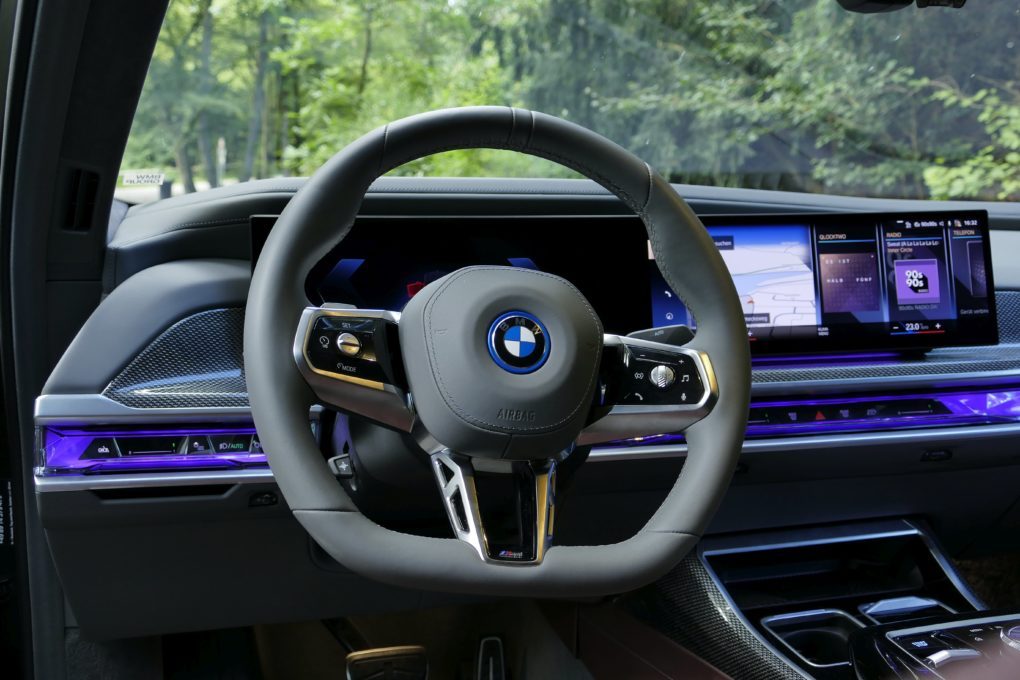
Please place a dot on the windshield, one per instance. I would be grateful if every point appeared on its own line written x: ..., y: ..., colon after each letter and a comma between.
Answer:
x: 794, y: 95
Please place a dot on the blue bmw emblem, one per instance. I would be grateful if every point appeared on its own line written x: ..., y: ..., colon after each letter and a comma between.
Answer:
x: 518, y: 342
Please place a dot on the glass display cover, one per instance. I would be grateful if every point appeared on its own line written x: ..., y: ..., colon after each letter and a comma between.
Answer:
x: 853, y: 282
x: 807, y: 283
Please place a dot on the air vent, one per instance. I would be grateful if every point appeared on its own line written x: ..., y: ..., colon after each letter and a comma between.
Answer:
x: 82, y: 187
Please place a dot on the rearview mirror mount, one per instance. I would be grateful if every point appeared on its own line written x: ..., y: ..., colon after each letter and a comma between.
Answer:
x: 873, y: 6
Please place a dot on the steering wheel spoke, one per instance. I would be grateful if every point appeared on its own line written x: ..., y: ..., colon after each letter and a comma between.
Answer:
x: 351, y: 359
x: 648, y: 388
x: 518, y: 507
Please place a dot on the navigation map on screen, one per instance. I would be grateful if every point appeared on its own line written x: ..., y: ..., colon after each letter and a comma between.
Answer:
x: 879, y: 275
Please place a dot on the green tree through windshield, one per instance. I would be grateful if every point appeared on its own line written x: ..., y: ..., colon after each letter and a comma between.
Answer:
x: 797, y: 95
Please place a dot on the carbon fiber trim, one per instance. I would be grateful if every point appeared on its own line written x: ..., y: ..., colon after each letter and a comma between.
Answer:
x: 687, y: 606
x: 195, y: 363
x: 1003, y: 357
x: 1007, y: 303
x: 938, y: 362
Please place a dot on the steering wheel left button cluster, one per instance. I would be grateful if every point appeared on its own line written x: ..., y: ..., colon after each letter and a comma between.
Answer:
x: 356, y: 349
x: 351, y: 359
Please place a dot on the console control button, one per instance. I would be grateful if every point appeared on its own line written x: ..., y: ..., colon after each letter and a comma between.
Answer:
x: 1011, y: 636
x: 230, y: 443
x: 101, y: 447
x: 922, y: 645
x: 944, y: 657
x: 979, y: 637
x: 198, y: 444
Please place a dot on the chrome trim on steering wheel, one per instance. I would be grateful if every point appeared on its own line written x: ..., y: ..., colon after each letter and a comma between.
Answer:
x: 307, y: 322
x: 455, y: 475
x: 627, y: 421
x: 383, y: 402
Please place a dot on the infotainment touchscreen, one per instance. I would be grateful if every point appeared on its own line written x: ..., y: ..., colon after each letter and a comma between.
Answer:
x: 807, y: 283
x: 860, y: 281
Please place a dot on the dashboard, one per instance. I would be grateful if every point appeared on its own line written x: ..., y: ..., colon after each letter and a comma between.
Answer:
x: 807, y: 283
x: 149, y: 466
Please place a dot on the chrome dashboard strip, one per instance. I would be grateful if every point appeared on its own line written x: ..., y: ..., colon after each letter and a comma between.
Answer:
x: 813, y: 540
x: 784, y: 444
x: 151, y: 480
x: 930, y: 542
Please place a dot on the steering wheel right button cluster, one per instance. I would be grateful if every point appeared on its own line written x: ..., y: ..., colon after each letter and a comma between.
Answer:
x: 659, y: 378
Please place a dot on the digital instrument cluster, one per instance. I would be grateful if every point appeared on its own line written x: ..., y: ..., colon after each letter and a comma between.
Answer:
x: 807, y: 283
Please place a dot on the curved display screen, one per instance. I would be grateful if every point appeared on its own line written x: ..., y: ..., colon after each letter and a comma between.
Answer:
x: 807, y: 283
x: 854, y: 282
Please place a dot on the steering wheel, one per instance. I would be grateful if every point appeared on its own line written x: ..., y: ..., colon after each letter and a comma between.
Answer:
x: 496, y: 371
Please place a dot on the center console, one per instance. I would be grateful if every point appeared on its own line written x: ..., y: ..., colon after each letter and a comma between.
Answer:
x: 871, y: 601
x: 962, y: 646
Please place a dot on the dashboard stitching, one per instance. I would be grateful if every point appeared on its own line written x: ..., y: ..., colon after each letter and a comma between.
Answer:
x: 623, y: 194
x: 187, y: 225
x: 214, y: 196
x: 651, y: 183
x: 438, y: 374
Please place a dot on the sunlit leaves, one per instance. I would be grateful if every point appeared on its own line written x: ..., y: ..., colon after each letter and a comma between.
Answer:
x: 797, y: 94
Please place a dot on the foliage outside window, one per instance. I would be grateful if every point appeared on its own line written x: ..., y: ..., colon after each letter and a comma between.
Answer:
x: 777, y: 94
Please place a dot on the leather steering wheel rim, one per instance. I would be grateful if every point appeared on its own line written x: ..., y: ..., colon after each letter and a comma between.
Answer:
x: 323, y: 211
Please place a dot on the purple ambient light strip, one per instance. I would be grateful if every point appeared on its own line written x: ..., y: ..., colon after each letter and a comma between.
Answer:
x: 829, y: 359
x: 964, y: 408
x: 62, y: 450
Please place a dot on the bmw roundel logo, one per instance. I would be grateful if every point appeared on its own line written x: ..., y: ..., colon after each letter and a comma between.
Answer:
x: 518, y: 342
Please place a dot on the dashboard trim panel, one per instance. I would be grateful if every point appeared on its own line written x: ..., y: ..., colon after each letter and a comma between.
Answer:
x: 73, y: 409
x: 806, y: 443
x: 598, y: 454
x: 151, y: 480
